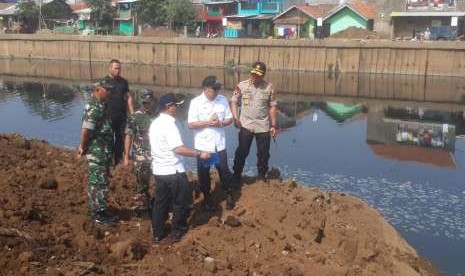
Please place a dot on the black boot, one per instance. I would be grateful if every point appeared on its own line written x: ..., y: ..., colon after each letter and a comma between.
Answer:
x: 230, y: 201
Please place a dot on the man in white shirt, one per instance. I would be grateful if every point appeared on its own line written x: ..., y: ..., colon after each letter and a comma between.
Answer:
x: 208, y: 114
x: 172, y: 186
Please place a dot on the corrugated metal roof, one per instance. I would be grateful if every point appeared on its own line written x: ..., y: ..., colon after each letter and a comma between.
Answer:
x: 427, y: 13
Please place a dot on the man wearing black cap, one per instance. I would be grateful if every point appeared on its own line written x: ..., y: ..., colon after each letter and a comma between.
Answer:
x: 257, y: 100
x: 119, y: 103
x: 172, y: 187
x: 96, y: 143
x: 137, y: 138
x: 208, y: 114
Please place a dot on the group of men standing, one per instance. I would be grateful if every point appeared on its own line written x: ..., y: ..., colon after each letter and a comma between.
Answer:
x: 108, y: 137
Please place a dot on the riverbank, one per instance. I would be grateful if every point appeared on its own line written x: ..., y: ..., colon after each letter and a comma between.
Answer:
x: 334, y: 56
x: 278, y: 228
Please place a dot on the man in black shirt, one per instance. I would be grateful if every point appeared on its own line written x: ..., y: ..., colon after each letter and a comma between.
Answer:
x: 119, y: 103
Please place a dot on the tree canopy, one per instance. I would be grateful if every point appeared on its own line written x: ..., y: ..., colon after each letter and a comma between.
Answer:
x: 57, y: 9
x: 174, y: 13
x: 179, y: 13
x: 102, y: 12
x: 151, y: 11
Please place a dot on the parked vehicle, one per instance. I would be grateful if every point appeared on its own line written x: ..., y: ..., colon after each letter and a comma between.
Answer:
x: 443, y: 33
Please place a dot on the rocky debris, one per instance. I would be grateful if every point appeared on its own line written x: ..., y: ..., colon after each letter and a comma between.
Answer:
x: 277, y: 228
x: 210, y: 264
x: 232, y: 221
x: 48, y: 183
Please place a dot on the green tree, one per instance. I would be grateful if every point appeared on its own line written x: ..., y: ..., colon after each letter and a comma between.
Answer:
x: 151, y: 12
x: 28, y: 14
x: 56, y: 9
x: 179, y: 13
x: 102, y: 13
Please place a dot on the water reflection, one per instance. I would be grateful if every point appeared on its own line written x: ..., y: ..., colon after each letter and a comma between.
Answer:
x: 395, y: 144
x: 187, y: 79
x: 50, y: 101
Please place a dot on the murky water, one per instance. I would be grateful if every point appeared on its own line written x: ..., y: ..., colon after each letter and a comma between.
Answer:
x: 402, y: 152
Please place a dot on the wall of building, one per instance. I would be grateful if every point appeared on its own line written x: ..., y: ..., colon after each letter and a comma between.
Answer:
x: 405, y: 26
x: 331, y: 56
x: 344, y: 19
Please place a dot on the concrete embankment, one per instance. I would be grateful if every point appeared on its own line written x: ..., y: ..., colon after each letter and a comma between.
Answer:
x: 336, y: 56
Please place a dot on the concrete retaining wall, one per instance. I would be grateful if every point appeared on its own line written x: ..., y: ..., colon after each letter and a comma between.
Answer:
x: 333, y: 56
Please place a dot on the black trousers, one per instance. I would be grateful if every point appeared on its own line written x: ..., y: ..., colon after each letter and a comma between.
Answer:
x: 263, y: 151
x: 223, y: 171
x: 118, y: 124
x: 171, y: 190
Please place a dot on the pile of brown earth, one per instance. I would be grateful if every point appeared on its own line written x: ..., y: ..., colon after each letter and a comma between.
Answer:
x: 277, y: 228
x: 357, y: 33
x: 158, y: 32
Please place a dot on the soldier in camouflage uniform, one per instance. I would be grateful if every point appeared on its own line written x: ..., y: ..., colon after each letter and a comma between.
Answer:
x: 96, y: 142
x: 136, y: 131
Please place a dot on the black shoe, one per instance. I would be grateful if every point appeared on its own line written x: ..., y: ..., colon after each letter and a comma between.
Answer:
x: 177, y: 236
x: 105, y: 218
x: 236, y: 181
x: 261, y: 177
x: 229, y: 201
x: 208, y: 205
x: 159, y: 239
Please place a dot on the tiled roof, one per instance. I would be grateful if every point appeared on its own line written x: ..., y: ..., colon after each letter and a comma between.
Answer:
x: 78, y: 6
x: 199, y: 12
x: 316, y: 11
x: 366, y: 9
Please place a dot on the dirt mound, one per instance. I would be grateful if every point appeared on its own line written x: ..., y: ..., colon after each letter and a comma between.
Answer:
x: 356, y: 33
x: 158, y: 32
x: 277, y: 228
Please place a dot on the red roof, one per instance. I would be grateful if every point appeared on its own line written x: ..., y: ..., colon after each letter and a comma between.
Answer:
x: 368, y: 10
x: 199, y: 12
x: 316, y: 11
x: 78, y: 6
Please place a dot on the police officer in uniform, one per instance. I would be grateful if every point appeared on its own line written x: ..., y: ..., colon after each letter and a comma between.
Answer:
x: 257, y: 101
x: 137, y: 138
x: 96, y: 143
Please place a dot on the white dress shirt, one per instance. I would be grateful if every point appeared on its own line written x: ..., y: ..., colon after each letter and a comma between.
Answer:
x: 210, y: 139
x: 164, y: 138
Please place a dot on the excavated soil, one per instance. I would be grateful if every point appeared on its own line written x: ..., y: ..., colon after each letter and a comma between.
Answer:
x: 276, y: 228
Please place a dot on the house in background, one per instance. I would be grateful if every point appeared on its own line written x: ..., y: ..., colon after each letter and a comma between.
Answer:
x: 349, y: 14
x: 300, y: 21
x: 253, y: 18
x: 125, y: 22
x: 419, y: 15
x: 215, y: 12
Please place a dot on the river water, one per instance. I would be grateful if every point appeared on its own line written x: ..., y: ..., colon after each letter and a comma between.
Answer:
x: 402, y: 151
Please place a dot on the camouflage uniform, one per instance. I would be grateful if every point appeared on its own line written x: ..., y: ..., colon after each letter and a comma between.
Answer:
x: 99, y: 153
x: 138, y: 127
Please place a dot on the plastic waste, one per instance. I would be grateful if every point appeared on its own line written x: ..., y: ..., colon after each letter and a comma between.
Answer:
x: 212, y: 161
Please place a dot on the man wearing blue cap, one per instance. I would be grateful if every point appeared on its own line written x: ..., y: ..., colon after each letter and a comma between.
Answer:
x: 172, y: 186
x: 208, y: 114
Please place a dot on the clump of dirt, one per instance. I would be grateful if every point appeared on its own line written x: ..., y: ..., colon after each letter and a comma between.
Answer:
x: 158, y: 32
x: 357, y: 33
x: 276, y: 228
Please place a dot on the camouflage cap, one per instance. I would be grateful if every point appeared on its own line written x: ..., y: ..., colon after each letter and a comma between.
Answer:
x: 145, y: 95
x: 103, y: 83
